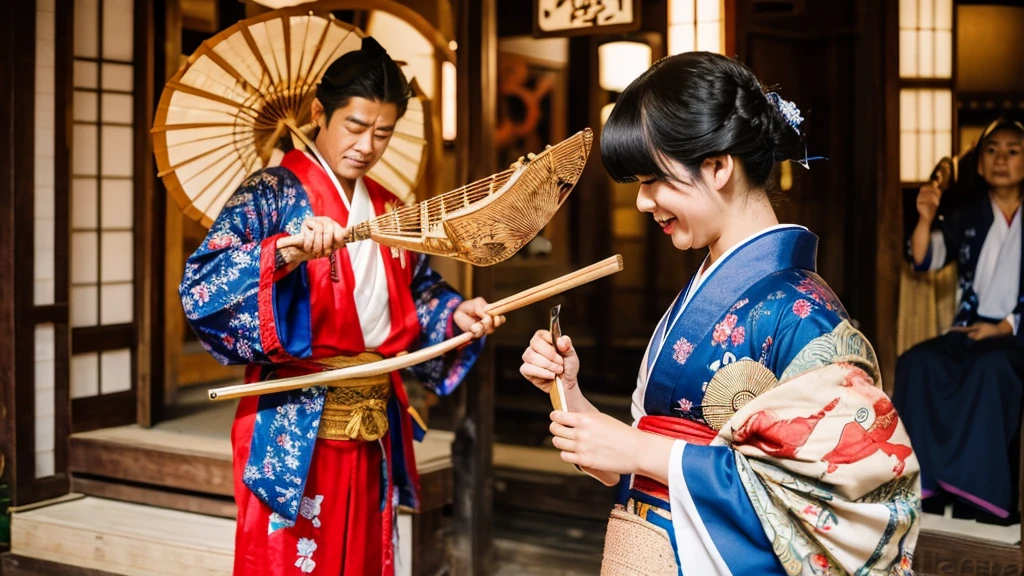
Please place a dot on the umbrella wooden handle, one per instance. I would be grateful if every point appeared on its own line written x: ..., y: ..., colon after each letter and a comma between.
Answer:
x: 603, y: 268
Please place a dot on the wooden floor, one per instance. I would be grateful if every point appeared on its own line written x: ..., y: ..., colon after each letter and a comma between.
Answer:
x: 538, y: 540
x: 96, y: 535
x: 548, y: 518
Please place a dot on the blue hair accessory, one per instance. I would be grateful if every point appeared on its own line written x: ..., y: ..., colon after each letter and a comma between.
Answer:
x: 789, y: 110
x: 791, y: 114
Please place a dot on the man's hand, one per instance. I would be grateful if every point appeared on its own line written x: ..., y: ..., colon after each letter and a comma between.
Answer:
x: 319, y: 237
x: 472, y: 316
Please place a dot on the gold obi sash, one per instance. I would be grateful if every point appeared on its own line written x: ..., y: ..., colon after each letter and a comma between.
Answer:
x: 355, y: 409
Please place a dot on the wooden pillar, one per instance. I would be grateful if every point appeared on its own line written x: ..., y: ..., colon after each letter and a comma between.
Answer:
x: 170, y: 264
x: 18, y: 313
x: 889, y: 208
x: 867, y: 238
x: 14, y: 89
x: 474, y: 433
x: 16, y: 250
x: 149, y: 226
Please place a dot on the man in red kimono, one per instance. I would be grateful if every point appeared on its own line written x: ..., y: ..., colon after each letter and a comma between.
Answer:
x: 319, y: 472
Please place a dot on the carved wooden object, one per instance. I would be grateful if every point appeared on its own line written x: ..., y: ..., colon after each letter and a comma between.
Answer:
x: 488, y: 221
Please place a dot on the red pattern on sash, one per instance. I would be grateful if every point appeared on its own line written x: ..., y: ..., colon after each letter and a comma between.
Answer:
x: 680, y: 428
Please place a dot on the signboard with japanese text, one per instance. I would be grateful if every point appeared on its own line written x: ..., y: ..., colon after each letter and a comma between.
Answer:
x: 579, y: 17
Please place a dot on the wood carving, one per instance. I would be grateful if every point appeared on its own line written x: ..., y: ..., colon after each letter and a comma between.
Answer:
x: 488, y: 221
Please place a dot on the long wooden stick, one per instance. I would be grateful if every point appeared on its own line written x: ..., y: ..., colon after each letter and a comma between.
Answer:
x: 603, y: 268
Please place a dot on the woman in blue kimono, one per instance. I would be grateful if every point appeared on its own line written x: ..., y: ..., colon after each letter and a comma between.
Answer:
x: 960, y: 393
x: 762, y: 442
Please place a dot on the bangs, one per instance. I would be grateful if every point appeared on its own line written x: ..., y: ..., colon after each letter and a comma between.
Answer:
x: 625, y: 142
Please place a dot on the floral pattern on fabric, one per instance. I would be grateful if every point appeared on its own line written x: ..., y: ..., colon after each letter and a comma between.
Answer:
x: 818, y: 450
x: 220, y: 286
x: 682, y: 350
x: 220, y: 293
x: 280, y: 454
x: 435, y: 306
x: 306, y: 547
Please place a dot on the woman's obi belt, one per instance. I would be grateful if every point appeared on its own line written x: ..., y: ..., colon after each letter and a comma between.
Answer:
x: 357, y: 408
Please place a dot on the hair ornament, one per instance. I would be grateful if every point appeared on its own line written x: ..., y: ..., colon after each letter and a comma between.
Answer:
x: 788, y: 109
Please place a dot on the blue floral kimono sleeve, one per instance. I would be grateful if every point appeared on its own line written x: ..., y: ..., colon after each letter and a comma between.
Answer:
x: 436, y: 302
x: 221, y: 287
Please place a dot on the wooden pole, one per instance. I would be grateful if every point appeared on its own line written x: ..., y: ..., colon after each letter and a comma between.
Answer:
x: 472, y: 455
x: 171, y: 243
x: 336, y: 377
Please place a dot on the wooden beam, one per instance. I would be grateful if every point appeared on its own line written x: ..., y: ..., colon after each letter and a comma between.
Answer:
x: 182, y: 469
x: 173, y: 263
x: 15, y: 565
x: 202, y: 368
x: 144, y: 466
x: 472, y: 553
x: 223, y: 507
x: 17, y: 188
x: 548, y: 493
x: 8, y: 176
x: 962, y: 555
x: 889, y: 207
x: 147, y: 362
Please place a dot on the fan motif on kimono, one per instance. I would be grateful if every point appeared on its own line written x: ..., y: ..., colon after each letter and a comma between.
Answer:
x: 732, y: 387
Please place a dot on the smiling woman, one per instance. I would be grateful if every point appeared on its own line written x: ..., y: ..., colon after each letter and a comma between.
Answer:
x: 762, y: 441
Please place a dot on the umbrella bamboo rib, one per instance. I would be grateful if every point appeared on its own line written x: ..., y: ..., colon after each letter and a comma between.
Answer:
x: 188, y: 161
x: 211, y: 96
x: 247, y: 36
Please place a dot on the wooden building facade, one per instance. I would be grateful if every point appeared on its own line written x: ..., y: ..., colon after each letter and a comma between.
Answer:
x: 92, y: 337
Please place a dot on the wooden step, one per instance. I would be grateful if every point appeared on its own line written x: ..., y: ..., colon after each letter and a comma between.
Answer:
x: 123, y: 538
x: 200, y: 464
x: 89, y: 536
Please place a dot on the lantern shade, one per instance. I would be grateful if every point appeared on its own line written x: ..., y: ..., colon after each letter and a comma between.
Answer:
x: 278, y: 4
x: 621, y: 63
x: 449, y: 101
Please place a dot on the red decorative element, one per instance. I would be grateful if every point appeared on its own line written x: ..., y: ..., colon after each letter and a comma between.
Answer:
x: 218, y: 242
x: 776, y: 437
x: 721, y: 333
x: 335, y: 277
x: 738, y: 336
x: 680, y: 428
x: 820, y: 561
x: 333, y: 305
x: 820, y: 294
x: 857, y: 443
x: 265, y: 300
x: 802, y: 308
